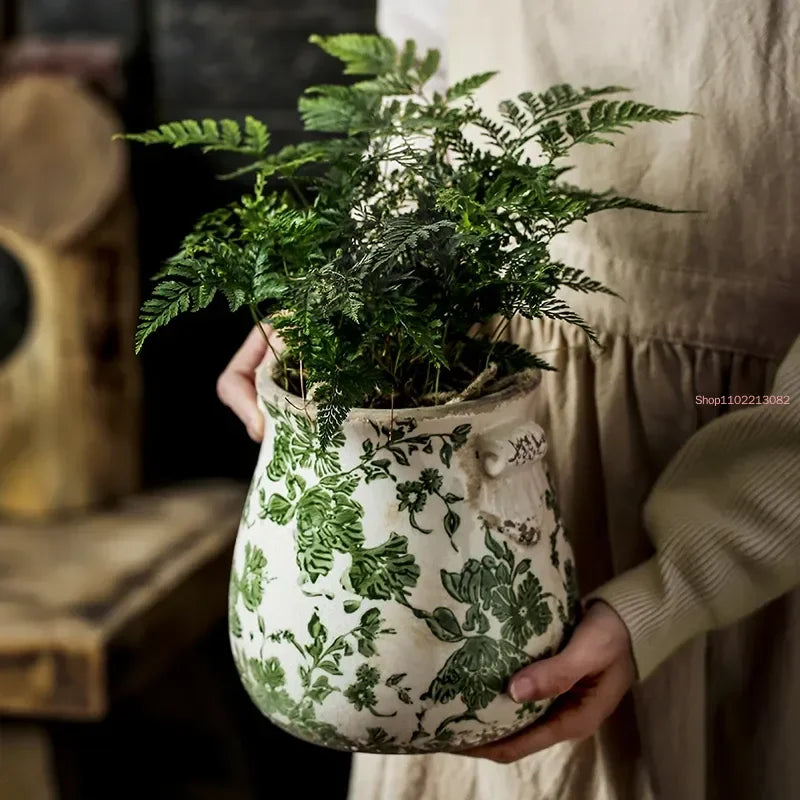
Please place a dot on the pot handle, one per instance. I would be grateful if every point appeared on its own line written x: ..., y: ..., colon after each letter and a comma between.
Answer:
x: 511, y: 447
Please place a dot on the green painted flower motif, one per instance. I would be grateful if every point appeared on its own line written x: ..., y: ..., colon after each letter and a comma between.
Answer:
x: 327, y: 521
x: 431, y: 480
x: 251, y: 583
x: 412, y: 496
x: 476, y: 672
x: 383, y: 572
x: 524, y: 611
x: 361, y: 693
x: 296, y: 445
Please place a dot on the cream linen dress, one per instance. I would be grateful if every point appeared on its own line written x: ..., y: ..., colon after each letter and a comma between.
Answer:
x: 711, y: 307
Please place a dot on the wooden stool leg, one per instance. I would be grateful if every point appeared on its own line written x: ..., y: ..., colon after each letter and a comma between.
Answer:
x: 26, y: 763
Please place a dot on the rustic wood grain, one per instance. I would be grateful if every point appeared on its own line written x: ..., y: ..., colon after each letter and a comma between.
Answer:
x: 70, y: 393
x: 92, y: 606
x: 60, y: 170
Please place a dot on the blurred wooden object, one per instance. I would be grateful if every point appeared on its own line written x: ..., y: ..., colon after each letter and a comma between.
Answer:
x: 70, y: 392
x: 93, y: 608
x: 90, y: 606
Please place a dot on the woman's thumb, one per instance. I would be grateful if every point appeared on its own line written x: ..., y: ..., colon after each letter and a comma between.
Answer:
x: 546, y: 678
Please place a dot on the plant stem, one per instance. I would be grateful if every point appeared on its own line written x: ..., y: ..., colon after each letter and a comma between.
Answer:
x: 257, y: 320
x: 296, y: 189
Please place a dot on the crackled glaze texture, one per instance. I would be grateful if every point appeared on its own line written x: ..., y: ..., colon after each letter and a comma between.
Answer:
x: 384, y: 590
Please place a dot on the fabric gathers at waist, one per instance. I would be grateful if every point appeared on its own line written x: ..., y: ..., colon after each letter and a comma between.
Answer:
x: 757, y: 317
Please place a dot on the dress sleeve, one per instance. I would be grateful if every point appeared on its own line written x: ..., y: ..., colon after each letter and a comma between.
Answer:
x: 724, y: 518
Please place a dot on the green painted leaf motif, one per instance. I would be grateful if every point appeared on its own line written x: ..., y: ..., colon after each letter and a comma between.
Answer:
x: 367, y: 632
x: 335, y: 514
x: 320, y: 689
x: 339, y: 484
x: 459, y: 435
x: 319, y: 634
x: 554, y: 559
x: 476, y: 619
x: 451, y: 522
x: 477, y: 672
x: 350, y: 606
x: 383, y: 572
x: 295, y: 485
x: 314, y: 554
x: 279, y: 463
x: 331, y: 667
x: 444, y: 625
x: 251, y: 583
x: 393, y: 680
x: 268, y: 673
x: 235, y: 623
x: 473, y: 584
x: 573, y: 592
x: 399, y: 456
x: 326, y: 521
x: 378, y: 736
x: 366, y: 647
x: 446, y: 453
x: 279, y: 509
x: 493, y: 546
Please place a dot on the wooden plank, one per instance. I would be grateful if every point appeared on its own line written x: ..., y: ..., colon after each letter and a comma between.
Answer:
x: 92, y: 605
x: 26, y: 763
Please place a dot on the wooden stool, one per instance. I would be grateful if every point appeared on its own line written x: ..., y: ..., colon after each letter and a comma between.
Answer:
x: 94, y: 607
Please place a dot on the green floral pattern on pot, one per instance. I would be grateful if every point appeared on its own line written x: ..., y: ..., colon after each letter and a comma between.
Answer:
x: 385, y: 589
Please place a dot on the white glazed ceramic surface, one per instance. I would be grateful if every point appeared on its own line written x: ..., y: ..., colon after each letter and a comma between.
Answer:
x: 385, y: 589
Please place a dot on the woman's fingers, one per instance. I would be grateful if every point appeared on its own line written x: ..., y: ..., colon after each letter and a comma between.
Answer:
x: 236, y: 385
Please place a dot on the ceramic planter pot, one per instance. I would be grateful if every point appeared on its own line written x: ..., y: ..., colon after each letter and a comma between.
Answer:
x: 384, y: 590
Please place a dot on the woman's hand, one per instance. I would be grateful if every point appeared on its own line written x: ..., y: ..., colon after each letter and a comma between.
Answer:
x: 590, y: 675
x: 236, y: 386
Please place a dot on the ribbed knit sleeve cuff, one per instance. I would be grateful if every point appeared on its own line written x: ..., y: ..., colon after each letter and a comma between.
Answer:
x: 638, y: 596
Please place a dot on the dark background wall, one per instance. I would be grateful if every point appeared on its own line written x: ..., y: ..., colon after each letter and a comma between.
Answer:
x: 195, y: 58
x: 188, y: 59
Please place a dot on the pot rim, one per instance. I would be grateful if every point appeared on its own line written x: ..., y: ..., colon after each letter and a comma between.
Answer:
x: 266, y: 386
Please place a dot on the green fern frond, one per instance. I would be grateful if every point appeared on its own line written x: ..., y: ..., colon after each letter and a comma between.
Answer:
x: 378, y: 249
x: 169, y: 299
x: 330, y: 417
x: 561, y: 98
x: 605, y: 201
x: 577, y: 280
x: 211, y: 135
x: 468, y: 86
x: 361, y: 54
x: 558, y: 309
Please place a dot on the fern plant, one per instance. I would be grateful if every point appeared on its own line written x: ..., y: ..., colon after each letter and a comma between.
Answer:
x: 391, y: 253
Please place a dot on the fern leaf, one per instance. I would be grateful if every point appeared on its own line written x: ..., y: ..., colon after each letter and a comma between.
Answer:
x: 210, y: 135
x: 468, y: 86
x: 561, y: 98
x: 361, y: 54
x: 429, y: 65
x: 256, y: 136
x: 169, y: 299
x: 577, y: 280
x: 558, y: 309
x: 330, y: 417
